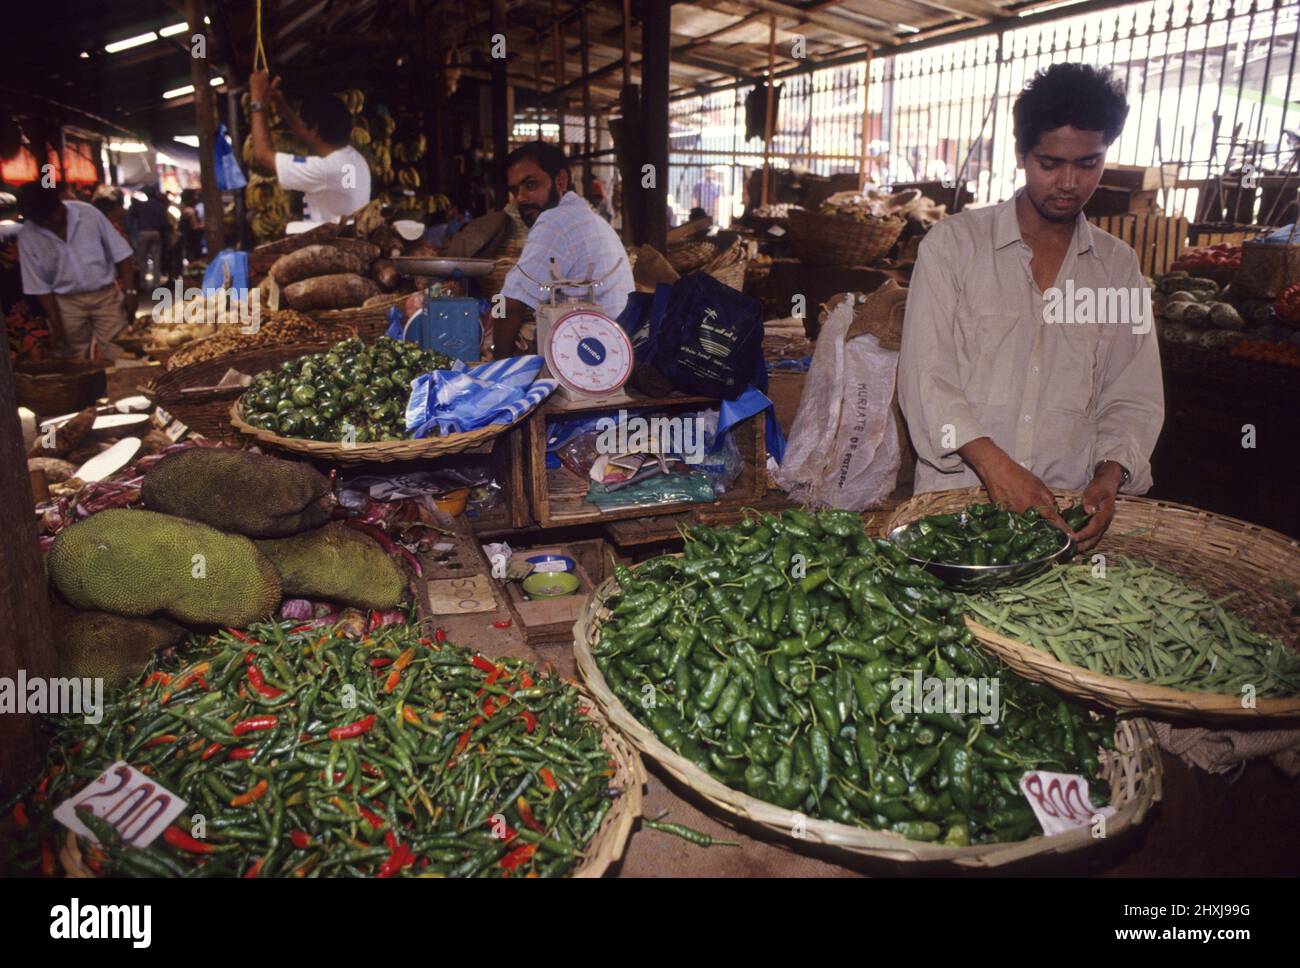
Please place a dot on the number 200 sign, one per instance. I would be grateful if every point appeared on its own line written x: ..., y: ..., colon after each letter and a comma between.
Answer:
x: 139, y: 807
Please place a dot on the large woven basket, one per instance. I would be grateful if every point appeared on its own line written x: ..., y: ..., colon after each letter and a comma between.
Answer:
x: 368, y: 322
x: 1216, y: 553
x: 606, y: 847
x: 378, y: 452
x: 208, y: 413
x: 1133, y: 770
x: 732, y: 275
x: 840, y: 240
x: 688, y: 256
x: 56, y: 387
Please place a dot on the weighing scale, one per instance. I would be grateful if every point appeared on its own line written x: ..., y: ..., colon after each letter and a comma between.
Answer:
x: 586, y: 351
x: 447, y: 324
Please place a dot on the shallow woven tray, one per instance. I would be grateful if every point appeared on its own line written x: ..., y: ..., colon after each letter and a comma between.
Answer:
x: 381, y: 452
x: 841, y: 240
x: 606, y: 846
x: 370, y: 322
x: 1134, y: 772
x: 1219, y: 554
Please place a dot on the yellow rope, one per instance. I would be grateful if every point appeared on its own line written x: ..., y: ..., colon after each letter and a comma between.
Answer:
x: 259, y: 51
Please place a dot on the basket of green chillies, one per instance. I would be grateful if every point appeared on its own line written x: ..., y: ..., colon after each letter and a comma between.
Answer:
x: 301, y: 752
x: 987, y: 546
x: 764, y: 667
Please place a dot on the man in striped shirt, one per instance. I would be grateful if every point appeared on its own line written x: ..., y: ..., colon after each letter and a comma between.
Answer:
x: 563, y: 228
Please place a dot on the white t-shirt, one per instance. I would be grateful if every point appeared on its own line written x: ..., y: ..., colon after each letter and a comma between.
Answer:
x: 335, y: 185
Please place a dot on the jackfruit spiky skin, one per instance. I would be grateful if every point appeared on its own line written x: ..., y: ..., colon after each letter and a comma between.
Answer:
x: 141, y: 563
x: 339, y: 564
x: 95, y: 645
x: 235, y: 491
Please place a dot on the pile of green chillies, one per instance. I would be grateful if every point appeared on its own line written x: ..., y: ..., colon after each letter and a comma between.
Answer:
x: 308, y: 753
x: 1136, y: 620
x: 987, y: 534
x: 769, y: 655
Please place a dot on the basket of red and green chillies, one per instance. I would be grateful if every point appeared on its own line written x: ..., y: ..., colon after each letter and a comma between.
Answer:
x: 763, y: 668
x: 303, y: 752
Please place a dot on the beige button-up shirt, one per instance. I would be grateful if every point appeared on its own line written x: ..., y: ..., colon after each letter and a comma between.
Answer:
x: 986, y: 354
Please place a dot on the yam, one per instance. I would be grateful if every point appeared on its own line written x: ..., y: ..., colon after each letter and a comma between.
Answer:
x: 313, y: 261
x: 66, y: 438
x: 388, y: 241
x: 386, y: 274
x: 360, y: 248
x: 264, y: 256
x: 336, y: 291
x: 56, y: 471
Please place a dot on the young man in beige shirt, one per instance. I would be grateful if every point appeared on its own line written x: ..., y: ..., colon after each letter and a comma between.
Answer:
x: 1029, y: 356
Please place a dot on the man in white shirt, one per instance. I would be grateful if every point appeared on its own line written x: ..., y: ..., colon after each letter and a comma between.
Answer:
x: 72, y: 260
x: 563, y: 227
x: 335, y: 178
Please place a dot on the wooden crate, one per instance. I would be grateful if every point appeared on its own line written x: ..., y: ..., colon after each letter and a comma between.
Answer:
x: 551, y: 619
x: 1156, y: 238
x: 558, y: 496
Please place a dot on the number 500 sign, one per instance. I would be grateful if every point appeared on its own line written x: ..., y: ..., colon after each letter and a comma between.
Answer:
x: 140, y: 808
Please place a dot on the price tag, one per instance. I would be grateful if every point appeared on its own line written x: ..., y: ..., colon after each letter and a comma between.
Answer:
x: 160, y: 417
x: 461, y: 596
x: 1060, y: 801
x: 176, y: 431
x: 139, y: 807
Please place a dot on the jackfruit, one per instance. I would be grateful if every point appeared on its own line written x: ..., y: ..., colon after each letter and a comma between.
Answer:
x: 236, y: 491
x: 143, y: 563
x: 338, y: 564
x: 94, y: 645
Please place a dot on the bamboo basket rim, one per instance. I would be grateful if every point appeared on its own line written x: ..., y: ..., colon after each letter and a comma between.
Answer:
x: 166, y: 386
x: 607, y: 845
x: 1136, y: 778
x: 334, y: 317
x: 382, y: 451
x: 1121, y: 695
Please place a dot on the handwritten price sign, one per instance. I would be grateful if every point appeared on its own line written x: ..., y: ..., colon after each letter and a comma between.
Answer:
x: 140, y: 808
x: 1060, y: 801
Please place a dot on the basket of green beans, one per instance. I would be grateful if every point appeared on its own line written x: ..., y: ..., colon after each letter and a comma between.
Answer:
x: 764, y: 668
x: 301, y: 752
x: 987, y: 546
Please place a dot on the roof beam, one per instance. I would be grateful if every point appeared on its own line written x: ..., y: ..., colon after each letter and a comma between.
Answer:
x: 978, y: 9
x: 831, y: 21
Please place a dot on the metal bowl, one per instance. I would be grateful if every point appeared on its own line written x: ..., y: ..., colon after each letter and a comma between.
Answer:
x: 980, y: 577
x: 444, y: 268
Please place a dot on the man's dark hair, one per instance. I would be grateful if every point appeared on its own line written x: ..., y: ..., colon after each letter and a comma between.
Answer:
x: 1079, y: 95
x: 107, y: 204
x: 546, y: 156
x: 38, y: 203
x: 329, y: 116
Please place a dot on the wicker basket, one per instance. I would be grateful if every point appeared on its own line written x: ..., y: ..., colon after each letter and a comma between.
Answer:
x: 1219, y: 554
x: 1133, y: 770
x: 689, y: 256
x: 208, y: 413
x: 839, y: 240
x: 606, y: 846
x: 732, y: 275
x: 378, y: 452
x: 55, y: 387
x: 368, y: 322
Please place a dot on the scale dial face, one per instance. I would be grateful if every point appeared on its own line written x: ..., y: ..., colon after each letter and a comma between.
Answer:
x: 588, y: 352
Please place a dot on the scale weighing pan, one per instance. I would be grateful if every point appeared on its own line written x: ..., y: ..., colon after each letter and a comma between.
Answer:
x: 443, y: 268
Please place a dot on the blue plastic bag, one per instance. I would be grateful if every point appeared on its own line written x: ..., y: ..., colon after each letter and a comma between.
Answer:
x: 230, y: 177
x: 460, y: 399
x: 214, y: 276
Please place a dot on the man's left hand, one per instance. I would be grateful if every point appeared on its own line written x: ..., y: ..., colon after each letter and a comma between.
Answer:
x: 130, y: 303
x: 1099, y: 501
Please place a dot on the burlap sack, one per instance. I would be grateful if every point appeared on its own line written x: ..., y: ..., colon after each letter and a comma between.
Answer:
x: 1222, y: 750
x: 649, y: 268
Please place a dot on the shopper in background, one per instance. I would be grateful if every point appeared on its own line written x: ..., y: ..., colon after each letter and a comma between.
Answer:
x: 563, y: 227
x: 148, y: 226
x: 706, y: 195
x: 993, y: 391
x: 111, y: 207
x: 191, y: 225
x: 73, y: 262
x: 335, y: 178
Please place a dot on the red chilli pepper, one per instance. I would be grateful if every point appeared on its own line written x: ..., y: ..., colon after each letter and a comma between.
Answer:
x: 160, y: 740
x: 212, y: 750
x: 548, y: 778
x: 239, y: 635
x: 20, y: 814
x: 258, y: 682
x: 254, y: 723
x: 301, y: 628
x: 375, y: 821
x: 402, y: 857
x: 256, y: 869
x: 526, y: 815
x: 393, y: 681
x: 252, y: 796
x: 242, y: 753
x: 300, y: 839
x: 179, y: 839
x: 526, y: 681
x: 353, y: 730
x: 440, y: 635
x: 503, y: 625
x: 478, y: 662
x: 518, y: 857
x: 380, y: 663
x: 530, y: 721
x: 489, y: 707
